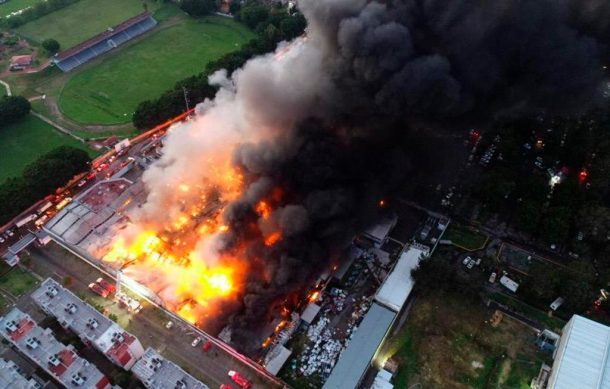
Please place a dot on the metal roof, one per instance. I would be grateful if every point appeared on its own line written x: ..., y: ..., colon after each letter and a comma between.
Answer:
x: 310, y: 313
x: 279, y: 356
x: 356, y: 358
x: 379, y: 232
x: 582, y: 359
x: 398, y: 285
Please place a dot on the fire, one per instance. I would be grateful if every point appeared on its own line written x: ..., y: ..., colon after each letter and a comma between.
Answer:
x: 263, y: 209
x: 314, y: 297
x: 273, y: 238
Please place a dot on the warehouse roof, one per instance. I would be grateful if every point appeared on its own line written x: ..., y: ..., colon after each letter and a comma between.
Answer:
x: 582, y: 359
x: 278, y: 357
x: 310, y: 313
x: 356, y: 358
x: 398, y: 285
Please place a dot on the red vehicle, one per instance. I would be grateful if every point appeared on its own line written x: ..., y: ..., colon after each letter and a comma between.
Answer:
x: 240, y: 380
x: 207, y: 346
x: 225, y: 386
x: 97, y: 289
x: 110, y: 287
x: 91, y: 175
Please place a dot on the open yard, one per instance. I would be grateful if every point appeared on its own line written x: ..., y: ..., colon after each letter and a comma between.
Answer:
x: 15, y: 5
x: 448, y: 343
x: 465, y: 237
x: 108, y: 92
x: 23, y: 142
x: 17, y: 281
x: 80, y: 21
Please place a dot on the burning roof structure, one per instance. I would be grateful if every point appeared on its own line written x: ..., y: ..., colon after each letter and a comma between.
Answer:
x: 255, y: 195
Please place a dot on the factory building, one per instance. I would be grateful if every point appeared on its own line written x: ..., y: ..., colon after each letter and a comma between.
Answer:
x: 93, y: 328
x: 58, y: 360
x: 380, y: 232
x: 390, y: 299
x: 581, y: 360
x: 156, y: 372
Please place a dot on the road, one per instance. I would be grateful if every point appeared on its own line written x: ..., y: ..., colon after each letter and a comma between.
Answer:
x: 149, y: 325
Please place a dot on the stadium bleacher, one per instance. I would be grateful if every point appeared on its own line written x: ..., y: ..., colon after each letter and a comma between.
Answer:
x: 104, y: 42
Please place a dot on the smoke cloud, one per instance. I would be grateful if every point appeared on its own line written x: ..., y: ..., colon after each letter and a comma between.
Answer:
x: 321, y: 131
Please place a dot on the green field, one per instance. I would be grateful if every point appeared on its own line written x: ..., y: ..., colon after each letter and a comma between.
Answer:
x: 447, y: 342
x: 108, y: 92
x: 465, y: 237
x: 23, y: 142
x: 15, y: 5
x: 77, y: 22
x: 17, y: 282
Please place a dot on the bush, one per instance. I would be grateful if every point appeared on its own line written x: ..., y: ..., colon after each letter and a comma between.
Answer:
x: 198, y: 7
x: 51, y: 46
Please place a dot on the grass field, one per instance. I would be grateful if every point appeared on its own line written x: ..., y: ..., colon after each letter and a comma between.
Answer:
x: 15, y: 5
x: 22, y: 142
x: 449, y: 343
x: 17, y: 282
x: 465, y: 237
x: 80, y: 21
x: 109, y: 92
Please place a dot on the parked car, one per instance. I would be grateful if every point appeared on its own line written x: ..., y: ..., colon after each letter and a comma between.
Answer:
x: 97, y: 289
x: 110, y: 287
x: 196, y: 342
x: 492, y: 277
x: 169, y: 325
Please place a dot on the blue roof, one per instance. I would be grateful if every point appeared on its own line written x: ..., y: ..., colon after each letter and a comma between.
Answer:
x: 356, y: 358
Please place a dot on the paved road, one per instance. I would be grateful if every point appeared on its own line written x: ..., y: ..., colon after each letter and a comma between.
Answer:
x: 149, y: 325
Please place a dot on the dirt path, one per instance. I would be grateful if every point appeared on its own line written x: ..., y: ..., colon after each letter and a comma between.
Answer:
x: 7, y: 87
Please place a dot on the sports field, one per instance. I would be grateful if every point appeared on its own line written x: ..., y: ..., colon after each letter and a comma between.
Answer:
x: 82, y: 20
x: 108, y: 92
x: 15, y: 5
x: 23, y: 142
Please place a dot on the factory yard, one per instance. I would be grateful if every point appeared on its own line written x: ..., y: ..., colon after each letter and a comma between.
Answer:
x: 449, y: 343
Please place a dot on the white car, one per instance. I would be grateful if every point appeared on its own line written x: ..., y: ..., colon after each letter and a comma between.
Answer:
x: 169, y: 325
x: 196, y: 342
x: 492, y: 277
x: 470, y: 264
x: 466, y: 261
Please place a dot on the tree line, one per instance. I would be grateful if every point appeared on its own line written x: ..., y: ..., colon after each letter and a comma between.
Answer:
x: 34, y: 12
x: 272, y: 25
x: 13, y: 109
x: 40, y: 178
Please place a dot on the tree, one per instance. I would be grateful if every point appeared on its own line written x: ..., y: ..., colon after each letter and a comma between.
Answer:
x: 556, y: 225
x: 529, y: 216
x: 50, y: 45
x: 594, y: 223
x: 253, y: 13
x: 13, y: 108
x: 293, y: 26
x: 578, y: 294
x: 198, y: 7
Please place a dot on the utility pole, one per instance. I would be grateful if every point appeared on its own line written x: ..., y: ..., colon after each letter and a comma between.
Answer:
x: 186, y: 99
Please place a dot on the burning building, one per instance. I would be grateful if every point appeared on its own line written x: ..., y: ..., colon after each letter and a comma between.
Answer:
x: 256, y: 194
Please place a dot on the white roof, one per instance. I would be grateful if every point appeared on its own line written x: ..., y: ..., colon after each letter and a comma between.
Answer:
x: 582, y: 359
x: 398, y: 285
x: 310, y: 313
x: 279, y: 356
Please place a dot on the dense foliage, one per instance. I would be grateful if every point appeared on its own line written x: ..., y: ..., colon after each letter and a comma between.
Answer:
x: 13, y: 108
x: 272, y: 26
x: 198, y: 7
x: 40, y: 178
